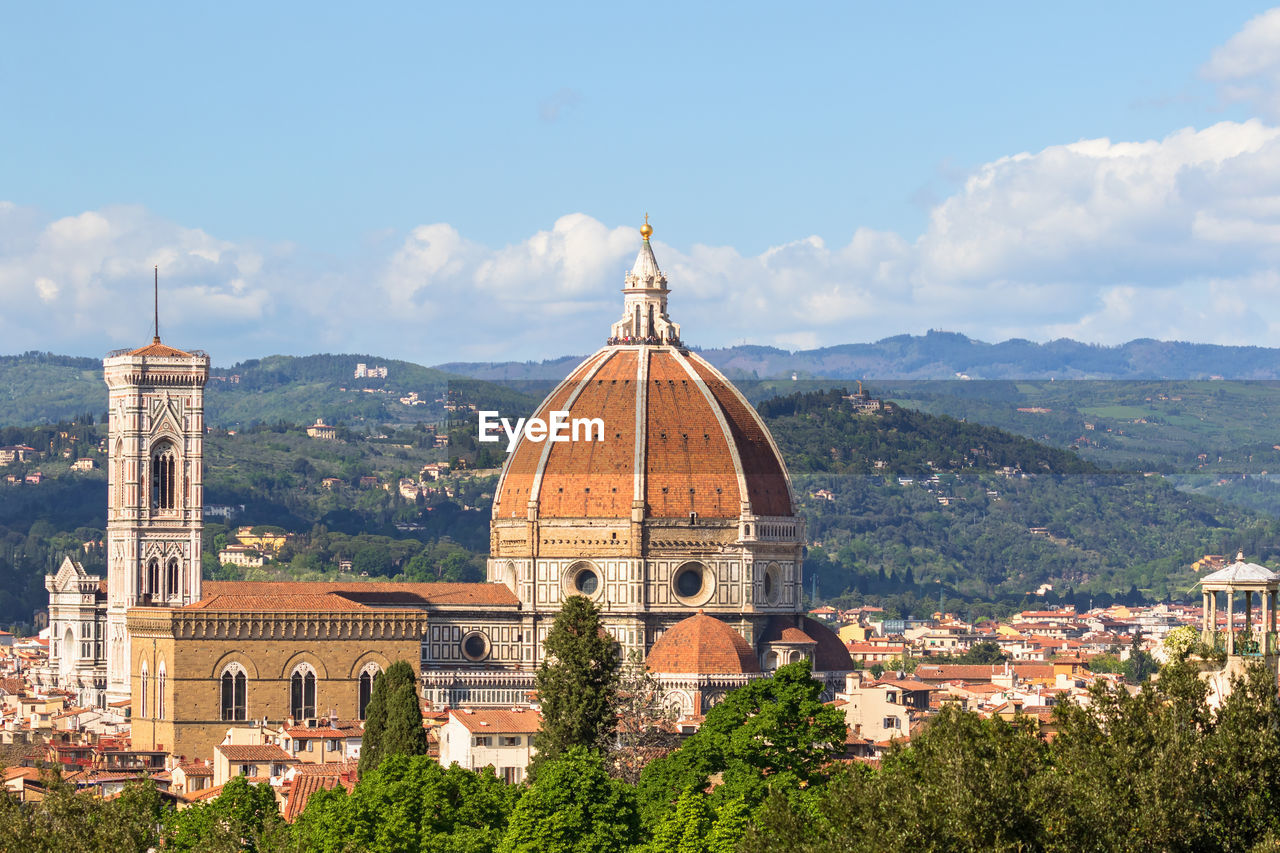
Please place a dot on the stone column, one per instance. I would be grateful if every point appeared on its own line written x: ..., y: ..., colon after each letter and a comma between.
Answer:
x: 1231, y: 622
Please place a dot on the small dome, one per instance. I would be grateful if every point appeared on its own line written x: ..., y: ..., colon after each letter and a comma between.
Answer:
x: 794, y: 635
x: 830, y: 655
x: 702, y: 645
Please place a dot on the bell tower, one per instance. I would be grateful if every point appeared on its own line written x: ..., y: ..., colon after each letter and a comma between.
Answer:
x: 155, y: 499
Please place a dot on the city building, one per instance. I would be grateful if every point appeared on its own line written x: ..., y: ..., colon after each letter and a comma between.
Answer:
x: 679, y: 520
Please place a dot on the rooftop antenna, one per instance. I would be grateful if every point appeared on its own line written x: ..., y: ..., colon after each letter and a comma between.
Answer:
x: 156, y: 339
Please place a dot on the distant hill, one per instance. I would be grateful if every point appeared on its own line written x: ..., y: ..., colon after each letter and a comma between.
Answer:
x: 947, y: 355
x: 40, y: 388
x: 910, y: 501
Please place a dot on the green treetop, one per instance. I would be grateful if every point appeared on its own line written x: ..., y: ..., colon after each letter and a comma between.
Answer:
x: 773, y: 731
x: 577, y: 682
x: 393, y: 719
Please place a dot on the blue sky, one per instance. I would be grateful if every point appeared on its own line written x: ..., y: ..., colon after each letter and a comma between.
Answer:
x: 452, y: 182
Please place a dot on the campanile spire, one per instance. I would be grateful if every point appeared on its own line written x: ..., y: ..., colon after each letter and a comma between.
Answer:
x: 644, y: 303
x: 156, y: 339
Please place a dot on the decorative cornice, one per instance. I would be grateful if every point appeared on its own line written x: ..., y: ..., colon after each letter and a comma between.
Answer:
x: 181, y: 624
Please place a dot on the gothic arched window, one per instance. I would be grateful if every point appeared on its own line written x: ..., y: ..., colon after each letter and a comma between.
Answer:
x: 151, y: 579
x: 160, y: 679
x: 366, y: 689
x: 142, y: 705
x: 171, y: 578
x: 164, y: 476
x: 302, y: 692
x: 233, y: 691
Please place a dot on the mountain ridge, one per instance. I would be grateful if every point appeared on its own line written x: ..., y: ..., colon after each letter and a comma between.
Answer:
x: 951, y: 355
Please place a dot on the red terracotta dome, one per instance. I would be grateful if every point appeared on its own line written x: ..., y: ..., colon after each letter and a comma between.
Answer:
x: 702, y: 644
x: 677, y: 435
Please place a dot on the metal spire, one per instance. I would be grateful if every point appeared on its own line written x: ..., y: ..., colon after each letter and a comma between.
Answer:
x: 156, y: 339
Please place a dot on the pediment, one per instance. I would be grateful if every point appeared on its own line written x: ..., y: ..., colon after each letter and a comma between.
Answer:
x: 68, y: 573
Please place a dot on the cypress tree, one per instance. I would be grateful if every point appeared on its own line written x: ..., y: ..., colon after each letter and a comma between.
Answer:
x: 393, y: 718
x: 577, y: 682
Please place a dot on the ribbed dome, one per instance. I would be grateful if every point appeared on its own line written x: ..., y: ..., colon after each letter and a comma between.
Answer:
x: 677, y: 436
x: 702, y: 644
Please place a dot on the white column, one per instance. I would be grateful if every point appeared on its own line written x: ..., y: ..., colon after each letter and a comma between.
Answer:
x: 1231, y: 622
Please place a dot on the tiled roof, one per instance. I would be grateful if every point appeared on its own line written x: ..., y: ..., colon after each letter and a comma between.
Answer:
x: 205, y: 794
x: 156, y: 349
x: 692, y: 426
x: 196, y: 769
x: 793, y: 635
x: 304, y: 732
x: 326, y: 602
x: 704, y: 645
x: 301, y: 790
x: 498, y: 721
x: 903, y: 684
x: 324, y: 768
x: 324, y: 595
x: 255, y: 752
x: 957, y: 672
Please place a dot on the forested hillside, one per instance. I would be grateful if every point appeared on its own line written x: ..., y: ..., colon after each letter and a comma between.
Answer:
x: 44, y: 388
x: 903, y: 508
x: 912, y: 506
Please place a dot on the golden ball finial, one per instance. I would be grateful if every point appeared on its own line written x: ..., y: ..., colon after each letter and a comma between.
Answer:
x: 646, y: 229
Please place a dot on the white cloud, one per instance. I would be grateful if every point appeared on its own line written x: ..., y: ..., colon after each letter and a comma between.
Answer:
x: 1247, y: 67
x: 1095, y: 239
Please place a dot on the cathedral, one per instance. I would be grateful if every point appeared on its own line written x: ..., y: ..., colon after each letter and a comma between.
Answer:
x: 680, y: 524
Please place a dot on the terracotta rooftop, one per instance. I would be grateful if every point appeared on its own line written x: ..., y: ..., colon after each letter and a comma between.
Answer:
x: 903, y: 684
x: 498, y: 721
x: 704, y: 645
x: 205, y: 794
x: 256, y: 752
x: 155, y: 349
x: 328, y: 596
x: 793, y: 635
x: 304, y: 732
x: 303, y: 786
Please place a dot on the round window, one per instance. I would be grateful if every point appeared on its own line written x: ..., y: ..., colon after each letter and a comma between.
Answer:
x: 475, y: 646
x: 689, y: 582
x: 586, y: 581
x: 772, y: 583
x: 693, y: 584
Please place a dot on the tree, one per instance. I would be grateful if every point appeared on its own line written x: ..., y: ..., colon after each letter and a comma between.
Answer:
x: 686, y: 827
x: 573, y: 807
x: 577, y: 682
x: 1140, y: 665
x: 772, y: 732
x: 243, y: 816
x: 986, y: 652
x: 409, y: 803
x: 1180, y: 642
x: 373, y: 559
x: 393, y: 719
x: 645, y: 726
